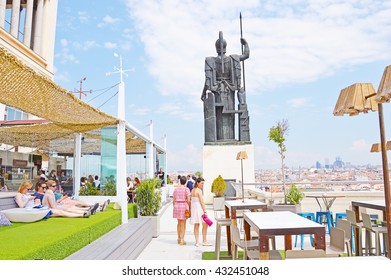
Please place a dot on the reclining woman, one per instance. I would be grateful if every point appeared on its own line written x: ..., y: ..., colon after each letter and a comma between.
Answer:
x: 66, y: 200
x: 23, y: 199
x: 69, y: 211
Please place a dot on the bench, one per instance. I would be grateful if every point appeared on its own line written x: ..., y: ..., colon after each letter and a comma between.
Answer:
x: 124, y: 242
x: 8, y: 202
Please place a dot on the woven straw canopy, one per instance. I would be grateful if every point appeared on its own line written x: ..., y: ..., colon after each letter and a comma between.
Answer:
x: 22, y: 88
x: 354, y: 100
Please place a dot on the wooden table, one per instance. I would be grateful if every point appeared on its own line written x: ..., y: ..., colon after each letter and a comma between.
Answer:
x: 230, y: 212
x: 282, y: 223
x: 372, y: 204
x: 328, y: 200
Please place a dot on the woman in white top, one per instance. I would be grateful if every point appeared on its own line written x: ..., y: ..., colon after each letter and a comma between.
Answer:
x: 198, y: 209
x: 23, y: 199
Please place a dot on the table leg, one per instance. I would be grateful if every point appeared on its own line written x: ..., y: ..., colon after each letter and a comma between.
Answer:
x: 263, y: 247
x: 356, y: 230
x: 317, y: 201
x: 320, y: 240
x: 228, y: 233
x: 288, y: 242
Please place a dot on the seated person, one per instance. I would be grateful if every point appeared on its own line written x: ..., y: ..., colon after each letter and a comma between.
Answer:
x: 69, y: 211
x: 23, y: 199
x: 3, y: 188
x: 66, y: 200
x: 39, y: 190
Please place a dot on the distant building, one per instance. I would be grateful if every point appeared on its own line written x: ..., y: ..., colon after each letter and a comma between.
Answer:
x: 338, y: 163
x: 318, y: 165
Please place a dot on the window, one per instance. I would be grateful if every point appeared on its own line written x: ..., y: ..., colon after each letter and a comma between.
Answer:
x: 15, y: 114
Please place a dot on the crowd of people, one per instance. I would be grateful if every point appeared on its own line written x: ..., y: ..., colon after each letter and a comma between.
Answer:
x: 189, y: 196
x: 49, y: 194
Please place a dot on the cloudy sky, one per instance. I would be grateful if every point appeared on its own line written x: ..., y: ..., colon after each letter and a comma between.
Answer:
x: 302, y: 53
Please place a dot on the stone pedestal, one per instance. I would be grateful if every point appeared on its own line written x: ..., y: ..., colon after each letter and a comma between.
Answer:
x: 221, y: 160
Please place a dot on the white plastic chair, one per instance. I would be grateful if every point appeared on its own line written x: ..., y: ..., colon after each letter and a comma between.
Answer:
x: 346, y: 226
x: 377, y: 231
x: 337, y: 243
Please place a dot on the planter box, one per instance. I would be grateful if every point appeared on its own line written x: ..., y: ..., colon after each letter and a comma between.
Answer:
x: 218, y: 203
x: 287, y: 207
x: 155, y: 225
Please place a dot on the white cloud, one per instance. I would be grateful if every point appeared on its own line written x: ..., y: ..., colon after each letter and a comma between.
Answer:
x: 299, y: 102
x: 108, y: 20
x: 64, y: 42
x: 85, y: 45
x: 360, y: 146
x: 186, y: 158
x: 83, y: 16
x: 140, y: 111
x: 290, y: 42
x: 65, y: 56
x: 110, y: 45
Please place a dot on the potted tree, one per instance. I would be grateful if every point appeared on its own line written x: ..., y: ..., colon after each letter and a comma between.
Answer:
x: 218, y: 188
x: 277, y: 134
x: 149, y: 202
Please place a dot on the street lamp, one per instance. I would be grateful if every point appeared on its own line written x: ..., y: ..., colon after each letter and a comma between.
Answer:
x: 241, y: 156
x: 362, y: 98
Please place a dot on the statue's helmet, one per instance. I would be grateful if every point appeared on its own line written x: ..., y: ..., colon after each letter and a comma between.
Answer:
x: 220, y: 45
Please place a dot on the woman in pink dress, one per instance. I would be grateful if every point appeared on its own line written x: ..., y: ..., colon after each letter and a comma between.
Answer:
x: 197, y: 210
x: 181, y: 201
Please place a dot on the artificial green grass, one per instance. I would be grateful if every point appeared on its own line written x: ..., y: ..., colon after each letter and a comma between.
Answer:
x: 224, y: 255
x: 57, y: 237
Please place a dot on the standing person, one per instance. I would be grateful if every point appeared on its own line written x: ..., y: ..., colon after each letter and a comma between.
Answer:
x: 42, y: 175
x: 160, y: 175
x: 197, y: 210
x: 181, y: 201
x: 190, y: 183
x: 96, y: 182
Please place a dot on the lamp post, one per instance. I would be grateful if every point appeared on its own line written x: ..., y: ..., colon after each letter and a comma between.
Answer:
x: 361, y: 98
x: 241, y: 156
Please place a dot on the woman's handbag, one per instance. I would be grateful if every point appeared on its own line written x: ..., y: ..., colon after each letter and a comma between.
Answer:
x: 207, y: 220
x: 187, y: 214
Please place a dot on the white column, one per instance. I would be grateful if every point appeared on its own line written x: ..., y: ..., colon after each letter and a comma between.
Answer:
x: 77, y: 164
x: 3, y: 7
x: 38, y: 27
x: 121, y: 171
x: 15, y: 18
x: 165, y: 159
x: 28, y: 23
x: 150, y: 154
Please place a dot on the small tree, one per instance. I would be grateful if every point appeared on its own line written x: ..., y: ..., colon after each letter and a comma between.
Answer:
x: 277, y: 134
x: 219, y: 186
x: 148, y: 197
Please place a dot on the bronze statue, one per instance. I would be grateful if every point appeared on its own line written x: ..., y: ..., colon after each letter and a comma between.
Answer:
x: 222, y: 81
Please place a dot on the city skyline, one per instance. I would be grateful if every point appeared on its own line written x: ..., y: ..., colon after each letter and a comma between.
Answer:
x: 301, y: 56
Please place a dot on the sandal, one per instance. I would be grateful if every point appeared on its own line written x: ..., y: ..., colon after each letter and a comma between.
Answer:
x: 182, y: 243
x: 206, y: 243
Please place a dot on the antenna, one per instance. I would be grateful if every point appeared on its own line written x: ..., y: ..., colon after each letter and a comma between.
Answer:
x: 120, y: 70
x: 80, y: 91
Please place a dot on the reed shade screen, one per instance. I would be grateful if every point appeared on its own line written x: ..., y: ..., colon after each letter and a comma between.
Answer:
x: 55, y: 138
x: 352, y: 100
x: 23, y: 88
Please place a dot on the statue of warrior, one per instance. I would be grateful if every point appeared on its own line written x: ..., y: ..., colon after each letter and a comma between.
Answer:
x: 222, y: 81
